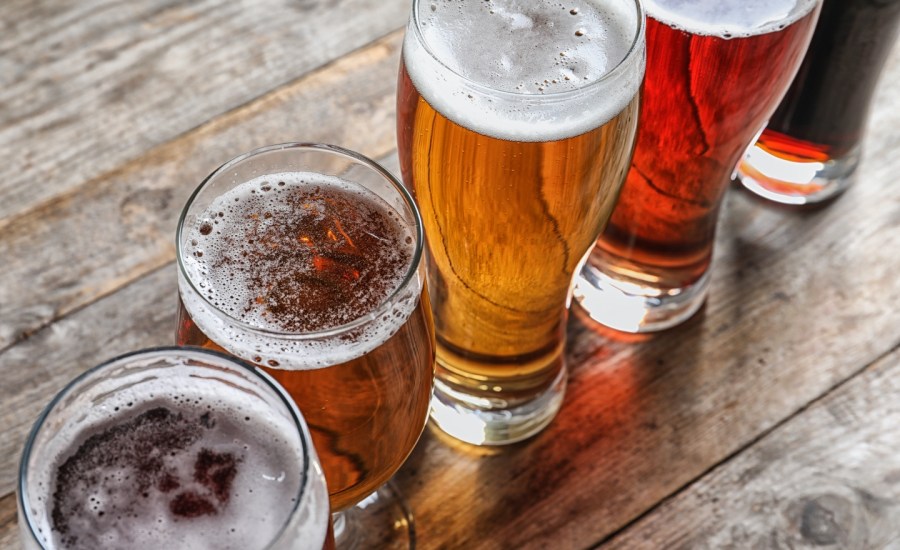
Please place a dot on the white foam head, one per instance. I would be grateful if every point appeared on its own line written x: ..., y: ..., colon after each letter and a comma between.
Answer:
x: 729, y: 18
x: 538, y: 71
x: 100, y: 499
x: 214, y: 297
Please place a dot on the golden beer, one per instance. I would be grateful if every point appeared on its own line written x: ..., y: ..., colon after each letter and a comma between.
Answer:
x: 515, y: 176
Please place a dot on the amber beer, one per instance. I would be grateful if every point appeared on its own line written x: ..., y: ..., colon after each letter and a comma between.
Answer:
x: 316, y: 279
x: 515, y: 127
x: 715, y: 73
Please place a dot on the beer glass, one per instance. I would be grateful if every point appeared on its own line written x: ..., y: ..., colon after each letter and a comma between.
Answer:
x: 515, y: 125
x: 812, y: 145
x: 715, y: 73
x: 305, y: 259
x: 172, y: 447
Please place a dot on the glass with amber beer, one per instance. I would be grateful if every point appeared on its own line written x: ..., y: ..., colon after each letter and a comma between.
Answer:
x: 515, y: 124
x: 715, y: 73
x: 306, y: 260
x: 172, y: 448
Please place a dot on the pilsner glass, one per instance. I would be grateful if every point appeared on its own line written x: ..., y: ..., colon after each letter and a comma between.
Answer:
x: 812, y: 145
x: 174, y: 448
x: 715, y: 73
x: 305, y: 259
x: 516, y: 125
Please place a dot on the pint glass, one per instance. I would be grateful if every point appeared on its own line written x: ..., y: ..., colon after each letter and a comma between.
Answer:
x: 812, y: 145
x: 516, y: 125
x: 306, y: 260
x: 172, y: 448
x: 715, y: 73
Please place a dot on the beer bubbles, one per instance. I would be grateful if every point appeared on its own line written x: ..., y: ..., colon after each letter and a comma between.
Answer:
x: 297, y: 253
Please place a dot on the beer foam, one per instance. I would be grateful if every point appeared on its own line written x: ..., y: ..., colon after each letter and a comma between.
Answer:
x: 165, y: 464
x: 729, y: 18
x: 526, y: 71
x: 290, y: 255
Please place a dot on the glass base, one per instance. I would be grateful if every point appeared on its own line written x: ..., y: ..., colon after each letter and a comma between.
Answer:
x: 493, y: 421
x: 381, y: 520
x: 796, y: 182
x: 631, y: 305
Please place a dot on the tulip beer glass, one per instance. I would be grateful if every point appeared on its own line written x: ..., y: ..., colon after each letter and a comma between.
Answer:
x: 305, y: 260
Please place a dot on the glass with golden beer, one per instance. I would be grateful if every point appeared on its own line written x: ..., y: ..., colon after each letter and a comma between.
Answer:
x: 172, y: 448
x: 515, y: 124
x: 715, y: 73
x: 306, y: 260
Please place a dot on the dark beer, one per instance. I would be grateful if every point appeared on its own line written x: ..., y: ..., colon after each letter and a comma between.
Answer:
x: 516, y: 123
x: 715, y: 73
x: 811, y: 145
x: 314, y: 279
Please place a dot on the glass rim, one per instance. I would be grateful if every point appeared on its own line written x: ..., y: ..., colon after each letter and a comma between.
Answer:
x: 162, y: 351
x: 338, y: 330
x: 633, y: 49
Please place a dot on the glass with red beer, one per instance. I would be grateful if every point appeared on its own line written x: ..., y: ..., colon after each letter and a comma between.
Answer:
x: 715, y: 73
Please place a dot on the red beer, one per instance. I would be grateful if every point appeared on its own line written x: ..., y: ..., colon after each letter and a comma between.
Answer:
x: 713, y: 78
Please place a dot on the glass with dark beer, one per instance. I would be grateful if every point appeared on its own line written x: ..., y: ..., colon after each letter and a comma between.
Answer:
x: 811, y: 147
x: 715, y: 73
x: 306, y: 260
x: 172, y: 448
x: 515, y: 124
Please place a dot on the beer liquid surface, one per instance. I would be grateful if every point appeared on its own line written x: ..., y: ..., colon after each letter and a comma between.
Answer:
x: 295, y: 253
x: 174, y: 471
x: 486, y: 65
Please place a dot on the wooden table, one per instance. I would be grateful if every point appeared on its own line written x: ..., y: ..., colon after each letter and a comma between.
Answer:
x: 770, y: 420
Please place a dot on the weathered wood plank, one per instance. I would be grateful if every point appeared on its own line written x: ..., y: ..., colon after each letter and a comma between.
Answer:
x: 141, y: 315
x: 87, y: 86
x: 9, y: 533
x: 829, y: 478
x: 92, y: 240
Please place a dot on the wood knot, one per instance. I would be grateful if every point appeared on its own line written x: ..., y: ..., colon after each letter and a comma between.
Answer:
x: 820, y: 523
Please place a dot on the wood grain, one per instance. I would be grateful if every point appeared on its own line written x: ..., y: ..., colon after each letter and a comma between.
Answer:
x: 87, y: 86
x: 99, y: 236
x: 828, y: 478
x: 9, y: 532
x: 140, y: 315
